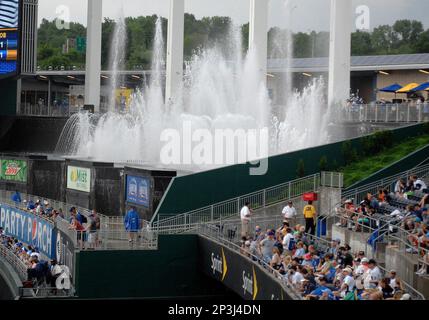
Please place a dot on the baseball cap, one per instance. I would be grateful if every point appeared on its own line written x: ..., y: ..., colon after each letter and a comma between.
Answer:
x: 364, y: 260
x: 418, y: 219
x: 406, y: 297
x: 347, y: 270
x: 72, y: 209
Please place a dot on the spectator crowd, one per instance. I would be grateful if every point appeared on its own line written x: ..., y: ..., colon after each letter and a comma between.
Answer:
x: 403, y: 210
x: 40, y: 273
x: 317, y: 269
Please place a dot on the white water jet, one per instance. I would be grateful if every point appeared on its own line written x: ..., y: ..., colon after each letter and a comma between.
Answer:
x: 117, y: 58
x: 220, y: 91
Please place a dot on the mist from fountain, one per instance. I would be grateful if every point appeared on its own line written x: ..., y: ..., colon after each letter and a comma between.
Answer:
x: 117, y: 58
x: 220, y: 91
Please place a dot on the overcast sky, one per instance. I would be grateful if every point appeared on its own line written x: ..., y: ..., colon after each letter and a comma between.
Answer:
x: 307, y: 14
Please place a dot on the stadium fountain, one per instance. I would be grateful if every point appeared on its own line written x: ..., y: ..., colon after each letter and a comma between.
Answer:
x: 221, y: 90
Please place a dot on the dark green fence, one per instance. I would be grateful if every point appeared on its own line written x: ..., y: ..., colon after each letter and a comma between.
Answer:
x: 171, y: 271
x: 205, y: 188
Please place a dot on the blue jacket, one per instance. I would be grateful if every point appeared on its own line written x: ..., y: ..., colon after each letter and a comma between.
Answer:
x: 16, y: 197
x: 132, y: 221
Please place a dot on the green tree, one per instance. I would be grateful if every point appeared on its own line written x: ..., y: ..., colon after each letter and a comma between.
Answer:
x: 300, y: 171
x: 361, y: 43
x: 323, y: 163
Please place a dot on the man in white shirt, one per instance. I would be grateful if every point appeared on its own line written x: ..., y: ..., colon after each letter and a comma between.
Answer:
x: 289, y: 212
x: 348, y: 282
x: 419, y: 184
x: 245, y: 214
x: 374, y: 274
x: 287, y: 242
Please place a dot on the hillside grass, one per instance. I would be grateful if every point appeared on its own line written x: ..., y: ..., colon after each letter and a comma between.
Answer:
x: 367, y: 166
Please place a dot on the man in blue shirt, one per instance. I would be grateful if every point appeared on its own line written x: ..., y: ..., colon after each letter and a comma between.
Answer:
x: 132, y: 223
x: 16, y: 197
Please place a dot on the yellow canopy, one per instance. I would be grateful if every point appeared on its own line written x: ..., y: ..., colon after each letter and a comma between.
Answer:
x: 408, y: 88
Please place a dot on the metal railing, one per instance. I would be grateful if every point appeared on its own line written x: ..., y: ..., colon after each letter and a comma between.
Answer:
x: 389, y: 231
x: 212, y: 232
x: 386, y: 113
x: 258, y: 200
x: 36, y: 110
x: 111, y: 235
x: 17, y: 264
x: 21, y: 267
x: 142, y: 239
x: 358, y: 194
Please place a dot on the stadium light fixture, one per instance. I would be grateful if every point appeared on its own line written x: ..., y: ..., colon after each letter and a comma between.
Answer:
x: 424, y: 71
x: 71, y: 77
x: 104, y: 77
x: 270, y: 75
x: 135, y: 77
x: 384, y: 72
x: 307, y: 74
x: 43, y: 77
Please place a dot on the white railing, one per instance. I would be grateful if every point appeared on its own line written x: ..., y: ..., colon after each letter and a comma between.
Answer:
x: 36, y: 110
x: 358, y: 194
x: 17, y: 264
x: 230, y: 208
x: 386, y: 113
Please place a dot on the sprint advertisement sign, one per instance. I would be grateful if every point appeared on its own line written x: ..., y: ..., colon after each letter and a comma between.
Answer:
x: 79, y: 178
x: 239, y: 273
x: 14, y: 170
x: 28, y: 229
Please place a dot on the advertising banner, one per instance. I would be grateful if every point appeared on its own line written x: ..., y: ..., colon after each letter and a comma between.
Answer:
x: 239, y: 273
x: 14, y: 170
x: 138, y: 191
x: 79, y: 178
x: 28, y: 229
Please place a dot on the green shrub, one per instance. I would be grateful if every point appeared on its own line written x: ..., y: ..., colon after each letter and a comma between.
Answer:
x: 300, y: 171
x: 323, y: 163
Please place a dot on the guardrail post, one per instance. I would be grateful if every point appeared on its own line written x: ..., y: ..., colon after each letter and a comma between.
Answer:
x: 264, y: 198
x: 376, y: 113
x: 387, y: 113
x: 420, y: 113
x: 397, y: 113
x: 408, y: 113
x: 211, y: 212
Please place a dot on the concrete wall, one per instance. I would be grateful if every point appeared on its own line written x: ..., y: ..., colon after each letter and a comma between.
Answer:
x: 9, y: 282
x: 356, y: 240
x: 406, y: 267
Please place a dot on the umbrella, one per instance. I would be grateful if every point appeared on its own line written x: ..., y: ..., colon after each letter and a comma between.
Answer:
x: 423, y: 86
x: 392, y: 88
x: 408, y: 88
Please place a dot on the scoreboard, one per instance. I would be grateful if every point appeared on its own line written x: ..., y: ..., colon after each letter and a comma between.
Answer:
x: 9, y: 37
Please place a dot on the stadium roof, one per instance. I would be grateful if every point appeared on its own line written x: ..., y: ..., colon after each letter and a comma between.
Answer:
x: 358, y: 63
